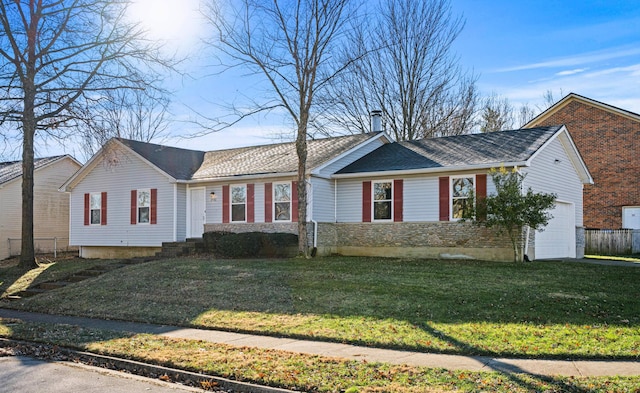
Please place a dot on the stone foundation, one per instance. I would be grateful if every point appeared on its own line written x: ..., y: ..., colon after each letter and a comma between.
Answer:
x: 441, y: 240
x: 117, y: 252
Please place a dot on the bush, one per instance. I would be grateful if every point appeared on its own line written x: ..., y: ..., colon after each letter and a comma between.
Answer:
x: 251, y: 244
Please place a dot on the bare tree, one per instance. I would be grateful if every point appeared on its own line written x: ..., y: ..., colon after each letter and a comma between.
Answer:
x: 141, y: 115
x: 56, y: 55
x: 496, y: 114
x: 290, y: 44
x: 409, y: 73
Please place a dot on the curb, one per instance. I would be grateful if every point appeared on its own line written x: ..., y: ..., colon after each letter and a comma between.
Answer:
x: 167, y: 374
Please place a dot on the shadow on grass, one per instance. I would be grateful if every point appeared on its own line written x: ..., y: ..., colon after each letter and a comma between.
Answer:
x: 421, y: 293
x: 514, y: 373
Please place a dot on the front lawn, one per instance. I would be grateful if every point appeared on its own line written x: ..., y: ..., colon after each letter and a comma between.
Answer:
x: 545, y: 309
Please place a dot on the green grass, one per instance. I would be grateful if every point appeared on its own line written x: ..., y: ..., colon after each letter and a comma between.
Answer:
x: 546, y: 310
x: 298, y: 371
x: 13, y: 279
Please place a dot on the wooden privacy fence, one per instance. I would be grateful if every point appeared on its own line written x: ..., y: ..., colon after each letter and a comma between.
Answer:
x: 610, y: 242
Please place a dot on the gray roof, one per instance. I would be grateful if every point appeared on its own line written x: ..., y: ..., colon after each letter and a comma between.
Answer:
x: 455, y: 151
x: 13, y: 169
x: 180, y: 164
x: 183, y: 164
x: 276, y: 158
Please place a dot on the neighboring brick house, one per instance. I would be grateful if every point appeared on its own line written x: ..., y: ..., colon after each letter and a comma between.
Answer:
x: 608, y: 139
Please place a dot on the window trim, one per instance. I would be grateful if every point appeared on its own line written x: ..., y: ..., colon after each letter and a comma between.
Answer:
x: 231, y: 203
x: 99, y: 194
x: 373, y: 201
x: 138, y: 191
x: 451, y: 193
x: 274, y: 201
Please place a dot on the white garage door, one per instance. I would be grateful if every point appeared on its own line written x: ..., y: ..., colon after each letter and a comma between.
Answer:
x: 558, y: 240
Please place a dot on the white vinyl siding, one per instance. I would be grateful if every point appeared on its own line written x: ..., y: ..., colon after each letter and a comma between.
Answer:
x: 548, y: 175
x: 130, y: 173
x: 51, y: 208
x: 322, y: 203
x: 421, y: 199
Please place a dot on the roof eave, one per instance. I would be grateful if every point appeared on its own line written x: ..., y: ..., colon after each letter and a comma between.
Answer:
x: 419, y: 171
x: 238, y: 177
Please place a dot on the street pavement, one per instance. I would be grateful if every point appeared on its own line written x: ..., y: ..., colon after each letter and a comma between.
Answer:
x: 26, y: 375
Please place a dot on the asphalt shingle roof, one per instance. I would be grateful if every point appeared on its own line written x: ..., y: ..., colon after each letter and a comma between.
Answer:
x: 13, y: 169
x: 180, y: 164
x: 276, y: 158
x: 455, y: 151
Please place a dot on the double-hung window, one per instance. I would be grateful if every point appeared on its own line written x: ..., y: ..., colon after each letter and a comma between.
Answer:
x: 95, y: 206
x: 282, y: 201
x: 239, y: 203
x: 144, y: 206
x: 382, y: 200
x: 461, y: 187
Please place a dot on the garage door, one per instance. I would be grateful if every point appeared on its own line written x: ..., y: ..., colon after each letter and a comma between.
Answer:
x: 558, y: 240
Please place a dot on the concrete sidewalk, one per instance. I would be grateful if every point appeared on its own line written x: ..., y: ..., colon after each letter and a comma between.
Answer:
x: 346, y: 351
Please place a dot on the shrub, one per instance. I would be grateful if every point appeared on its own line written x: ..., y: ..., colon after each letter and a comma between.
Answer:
x: 251, y: 244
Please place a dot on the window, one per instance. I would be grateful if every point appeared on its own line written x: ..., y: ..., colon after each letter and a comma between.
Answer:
x: 144, y: 206
x: 238, y: 203
x: 95, y: 206
x: 382, y: 202
x: 461, y: 188
x: 282, y: 201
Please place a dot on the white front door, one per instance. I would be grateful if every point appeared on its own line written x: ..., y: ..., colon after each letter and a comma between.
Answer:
x: 197, y: 212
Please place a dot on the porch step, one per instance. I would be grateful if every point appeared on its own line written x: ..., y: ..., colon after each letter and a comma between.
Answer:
x: 177, y: 249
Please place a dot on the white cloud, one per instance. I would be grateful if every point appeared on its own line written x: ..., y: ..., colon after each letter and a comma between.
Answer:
x: 571, y: 72
x: 580, y: 59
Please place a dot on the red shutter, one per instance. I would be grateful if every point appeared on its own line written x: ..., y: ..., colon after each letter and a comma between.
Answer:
x: 444, y: 198
x: 397, y: 200
x: 103, y: 220
x: 250, y: 203
x: 154, y: 206
x: 294, y: 201
x: 366, y: 201
x: 481, y: 195
x: 86, y: 209
x: 268, y: 198
x: 134, y: 207
x: 225, y: 204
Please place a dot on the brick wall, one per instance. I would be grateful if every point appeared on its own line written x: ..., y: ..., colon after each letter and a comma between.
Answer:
x: 610, y: 146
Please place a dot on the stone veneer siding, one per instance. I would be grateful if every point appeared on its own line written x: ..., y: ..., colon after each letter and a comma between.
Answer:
x: 402, y: 239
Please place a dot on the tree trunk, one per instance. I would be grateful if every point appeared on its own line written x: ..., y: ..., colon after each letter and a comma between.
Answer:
x: 301, y: 150
x: 27, y: 253
x: 27, y: 249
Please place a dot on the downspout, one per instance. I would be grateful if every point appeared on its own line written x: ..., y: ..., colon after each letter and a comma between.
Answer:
x: 335, y: 200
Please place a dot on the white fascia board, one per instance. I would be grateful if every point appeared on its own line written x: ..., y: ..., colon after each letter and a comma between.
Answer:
x: 420, y: 171
x: 319, y: 168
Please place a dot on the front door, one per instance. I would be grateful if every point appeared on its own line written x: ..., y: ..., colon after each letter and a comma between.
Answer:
x: 197, y: 212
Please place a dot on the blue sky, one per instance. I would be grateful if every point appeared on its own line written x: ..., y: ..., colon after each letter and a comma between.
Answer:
x: 519, y: 49
x: 523, y: 48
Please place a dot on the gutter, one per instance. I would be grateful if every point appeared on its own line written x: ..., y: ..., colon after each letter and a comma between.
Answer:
x: 430, y: 170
